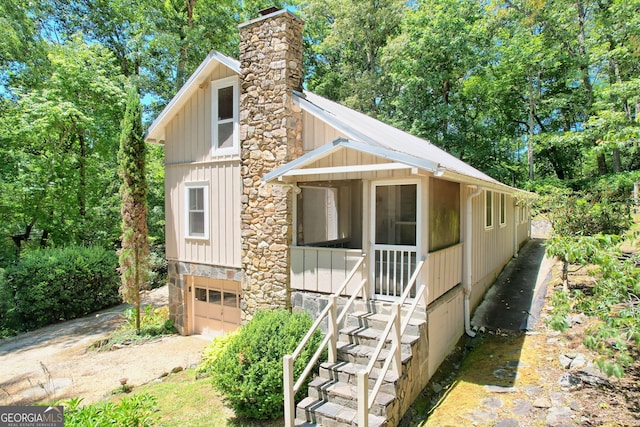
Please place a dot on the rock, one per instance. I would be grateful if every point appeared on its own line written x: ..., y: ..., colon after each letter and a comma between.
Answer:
x: 508, y: 422
x: 542, y: 402
x: 499, y: 389
x: 522, y: 408
x: 492, y: 402
x: 481, y: 416
x: 578, y: 319
x: 176, y: 369
x: 565, y: 361
x: 532, y: 390
x: 569, y: 381
x: 505, y: 374
x: 558, y: 416
x: 578, y: 362
x: 437, y: 388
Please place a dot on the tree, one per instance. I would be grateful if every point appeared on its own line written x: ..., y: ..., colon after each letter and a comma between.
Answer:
x: 135, y: 246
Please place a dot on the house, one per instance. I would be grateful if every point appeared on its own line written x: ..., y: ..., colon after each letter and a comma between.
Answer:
x: 274, y: 195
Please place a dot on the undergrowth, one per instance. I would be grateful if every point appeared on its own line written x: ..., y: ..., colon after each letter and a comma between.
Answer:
x: 154, y: 323
x: 130, y: 411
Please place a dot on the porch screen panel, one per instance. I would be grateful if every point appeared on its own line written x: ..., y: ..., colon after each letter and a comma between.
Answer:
x: 444, y: 214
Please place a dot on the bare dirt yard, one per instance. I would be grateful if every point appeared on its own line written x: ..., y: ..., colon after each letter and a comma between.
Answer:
x: 55, y: 362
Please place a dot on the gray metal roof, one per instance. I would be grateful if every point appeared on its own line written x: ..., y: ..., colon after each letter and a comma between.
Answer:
x: 385, y: 138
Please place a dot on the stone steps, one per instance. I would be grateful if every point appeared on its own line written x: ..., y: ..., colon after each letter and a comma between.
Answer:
x: 332, y: 395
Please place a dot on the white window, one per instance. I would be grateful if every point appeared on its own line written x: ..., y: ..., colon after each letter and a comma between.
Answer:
x: 225, y: 111
x: 503, y: 210
x: 488, y: 209
x: 197, y: 210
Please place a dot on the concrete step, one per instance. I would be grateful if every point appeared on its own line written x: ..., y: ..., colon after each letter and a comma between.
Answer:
x: 311, y: 411
x: 338, y: 392
x: 347, y: 373
x: 379, y: 321
x: 361, y: 354
x: 385, y: 307
x: 371, y: 337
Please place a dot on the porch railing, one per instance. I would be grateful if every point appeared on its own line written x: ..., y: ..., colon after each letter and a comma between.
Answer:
x: 329, y: 341
x: 393, y: 267
x: 396, y: 326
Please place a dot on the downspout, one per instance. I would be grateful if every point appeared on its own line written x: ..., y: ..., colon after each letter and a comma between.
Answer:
x: 516, y: 216
x: 467, y: 261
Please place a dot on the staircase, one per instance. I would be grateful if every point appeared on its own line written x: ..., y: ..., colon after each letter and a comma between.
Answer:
x: 333, y: 394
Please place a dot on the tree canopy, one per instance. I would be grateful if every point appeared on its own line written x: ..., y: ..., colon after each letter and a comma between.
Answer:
x: 523, y: 90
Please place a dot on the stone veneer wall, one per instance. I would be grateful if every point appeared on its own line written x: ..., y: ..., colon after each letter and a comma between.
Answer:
x: 270, y: 136
x: 177, y: 270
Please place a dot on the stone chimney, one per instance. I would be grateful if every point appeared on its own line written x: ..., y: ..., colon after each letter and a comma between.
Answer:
x: 270, y: 136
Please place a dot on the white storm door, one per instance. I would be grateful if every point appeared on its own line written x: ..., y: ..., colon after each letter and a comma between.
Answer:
x: 395, y: 235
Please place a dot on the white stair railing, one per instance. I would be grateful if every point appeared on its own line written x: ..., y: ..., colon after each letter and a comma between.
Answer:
x: 329, y: 341
x: 396, y: 324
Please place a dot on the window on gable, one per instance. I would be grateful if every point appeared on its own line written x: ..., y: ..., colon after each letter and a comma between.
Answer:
x: 225, y: 98
x: 197, y: 212
x: 503, y: 210
x: 488, y: 209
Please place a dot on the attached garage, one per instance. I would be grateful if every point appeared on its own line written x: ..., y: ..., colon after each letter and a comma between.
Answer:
x: 214, y: 305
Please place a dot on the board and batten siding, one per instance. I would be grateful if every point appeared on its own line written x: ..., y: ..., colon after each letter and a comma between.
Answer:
x: 492, y: 247
x: 316, y: 133
x: 223, y: 245
x: 188, y: 134
x: 188, y: 159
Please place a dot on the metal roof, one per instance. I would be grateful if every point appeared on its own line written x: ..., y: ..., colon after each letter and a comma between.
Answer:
x: 387, y: 140
x: 364, y: 133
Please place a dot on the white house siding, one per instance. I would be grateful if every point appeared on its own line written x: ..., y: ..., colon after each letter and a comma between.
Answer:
x: 188, y: 134
x: 493, y: 247
x: 316, y: 133
x: 188, y: 159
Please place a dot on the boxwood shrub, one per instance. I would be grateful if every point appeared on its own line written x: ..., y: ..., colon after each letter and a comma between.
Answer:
x: 51, y: 285
x: 248, y: 372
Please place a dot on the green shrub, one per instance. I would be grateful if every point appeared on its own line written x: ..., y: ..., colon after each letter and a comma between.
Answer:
x: 50, y: 285
x: 249, y: 370
x: 130, y: 411
x: 213, y: 351
x: 158, y: 268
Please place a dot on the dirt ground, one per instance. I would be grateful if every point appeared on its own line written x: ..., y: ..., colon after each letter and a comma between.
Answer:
x: 55, y: 363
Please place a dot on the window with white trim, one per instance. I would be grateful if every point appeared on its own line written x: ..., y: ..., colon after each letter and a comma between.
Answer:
x: 503, y: 210
x: 197, y: 210
x: 488, y: 209
x: 225, y: 116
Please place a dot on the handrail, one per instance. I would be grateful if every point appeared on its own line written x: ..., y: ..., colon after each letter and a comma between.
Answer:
x: 330, y: 341
x: 366, y: 399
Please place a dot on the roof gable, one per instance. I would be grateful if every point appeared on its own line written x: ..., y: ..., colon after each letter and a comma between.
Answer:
x: 156, y: 132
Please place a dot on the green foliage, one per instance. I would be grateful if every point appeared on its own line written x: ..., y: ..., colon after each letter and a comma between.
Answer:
x: 249, y: 370
x: 613, y: 300
x: 559, y: 311
x: 213, y: 351
x: 47, y: 286
x: 158, y: 268
x: 134, y: 264
x: 154, y: 322
x: 130, y: 411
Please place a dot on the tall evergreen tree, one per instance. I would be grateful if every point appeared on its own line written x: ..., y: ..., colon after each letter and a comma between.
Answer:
x: 135, y: 247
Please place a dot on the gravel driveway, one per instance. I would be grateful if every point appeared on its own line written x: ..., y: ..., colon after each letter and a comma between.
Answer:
x: 54, y: 362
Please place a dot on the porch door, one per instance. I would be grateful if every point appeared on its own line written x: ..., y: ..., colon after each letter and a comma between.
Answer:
x: 395, y: 210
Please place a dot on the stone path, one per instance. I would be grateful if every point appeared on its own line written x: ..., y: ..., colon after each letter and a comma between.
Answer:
x: 516, y: 372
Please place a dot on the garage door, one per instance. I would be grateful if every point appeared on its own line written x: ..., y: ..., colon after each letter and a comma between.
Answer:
x: 216, y: 305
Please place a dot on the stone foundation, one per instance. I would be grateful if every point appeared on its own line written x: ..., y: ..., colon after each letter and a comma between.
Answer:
x: 176, y: 283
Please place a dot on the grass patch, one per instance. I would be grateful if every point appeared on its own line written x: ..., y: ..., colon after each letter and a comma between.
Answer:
x: 154, y: 323
x: 183, y: 399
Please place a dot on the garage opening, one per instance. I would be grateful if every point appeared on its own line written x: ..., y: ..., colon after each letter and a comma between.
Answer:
x: 216, y: 305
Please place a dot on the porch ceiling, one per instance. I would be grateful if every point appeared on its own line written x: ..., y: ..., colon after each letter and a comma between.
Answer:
x: 395, y: 161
